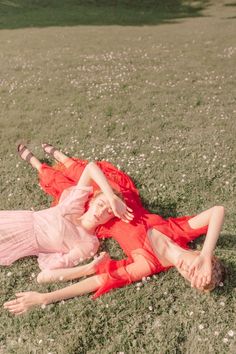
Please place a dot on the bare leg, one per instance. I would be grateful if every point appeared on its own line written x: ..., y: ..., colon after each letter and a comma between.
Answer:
x: 57, y: 155
x: 26, y: 155
x: 65, y: 274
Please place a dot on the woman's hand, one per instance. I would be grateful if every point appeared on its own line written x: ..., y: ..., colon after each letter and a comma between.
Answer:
x: 23, y: 302
x: 200, y: 271
x: 120, y: 209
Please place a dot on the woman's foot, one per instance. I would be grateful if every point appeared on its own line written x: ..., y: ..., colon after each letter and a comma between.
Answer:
x: 56, y: 154
x: 26, y: 155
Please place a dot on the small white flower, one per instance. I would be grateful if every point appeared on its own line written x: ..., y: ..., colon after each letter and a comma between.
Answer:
x: 107, y: 305
x: 231, y: 333
x: 33, y: 275
x: 165, y: 293
x: 43, y: 306
x: 225, y: 340
x: 216, y: 333
x: 150, y: 308
x: 201, y: 326
x: 138, y: 288
x: 227, y: 182
x: 221, y: 284
x: 40, y: 341
x: 222, y: 303
x: 9, y: 274
x: 190, y: 313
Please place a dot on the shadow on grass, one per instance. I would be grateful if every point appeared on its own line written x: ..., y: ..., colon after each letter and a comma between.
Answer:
x: 231, y: 4
x: 43, y: 13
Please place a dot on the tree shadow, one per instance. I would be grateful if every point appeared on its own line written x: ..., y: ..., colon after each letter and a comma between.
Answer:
x: 231, y: 4
x: 44, y: 13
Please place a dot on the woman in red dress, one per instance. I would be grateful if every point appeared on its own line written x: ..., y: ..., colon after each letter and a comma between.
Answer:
x: 152, y: 244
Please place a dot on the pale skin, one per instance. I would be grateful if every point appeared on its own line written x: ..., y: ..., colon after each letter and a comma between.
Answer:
x: 194, y: 266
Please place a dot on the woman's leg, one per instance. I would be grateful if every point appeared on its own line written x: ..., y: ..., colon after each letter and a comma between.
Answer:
x: 26, y: 155
x: 65, y: 274
x: 58, y: 155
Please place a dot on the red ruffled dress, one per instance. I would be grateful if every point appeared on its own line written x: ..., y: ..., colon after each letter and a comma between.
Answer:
x: 131, y: 237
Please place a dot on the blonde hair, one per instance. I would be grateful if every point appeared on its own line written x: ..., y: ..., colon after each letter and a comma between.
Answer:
x: 98, y: 192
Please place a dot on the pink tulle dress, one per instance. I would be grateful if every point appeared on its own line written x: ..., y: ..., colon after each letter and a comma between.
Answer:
x: 49, y: 234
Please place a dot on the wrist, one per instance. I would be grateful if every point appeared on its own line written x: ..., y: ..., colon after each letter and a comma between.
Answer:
x: 206, y: 254
x: 45, y: 299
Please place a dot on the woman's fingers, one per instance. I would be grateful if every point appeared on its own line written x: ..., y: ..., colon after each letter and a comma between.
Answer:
x: 180, y: 263
x: 129, y: 209
x: 191, y: 271
x: 208, y: 279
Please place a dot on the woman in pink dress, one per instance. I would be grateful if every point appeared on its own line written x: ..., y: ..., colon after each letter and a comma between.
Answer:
x: 63, y: 235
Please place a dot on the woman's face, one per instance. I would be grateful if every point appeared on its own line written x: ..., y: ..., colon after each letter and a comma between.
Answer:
x: 99, y: 210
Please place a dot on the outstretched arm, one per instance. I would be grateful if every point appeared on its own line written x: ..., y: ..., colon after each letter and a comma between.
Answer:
x: 26, y: 300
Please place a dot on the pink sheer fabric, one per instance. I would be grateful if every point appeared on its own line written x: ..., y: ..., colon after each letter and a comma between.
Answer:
x: 48, y: 234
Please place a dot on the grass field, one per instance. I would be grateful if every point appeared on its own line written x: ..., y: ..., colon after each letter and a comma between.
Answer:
x: 149, y: 86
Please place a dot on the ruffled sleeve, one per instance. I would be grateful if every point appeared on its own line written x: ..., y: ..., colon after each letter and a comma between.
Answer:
x: 73, y: 200
x: 86, y: 250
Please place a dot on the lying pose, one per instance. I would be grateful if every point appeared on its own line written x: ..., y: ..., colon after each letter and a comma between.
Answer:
x: 151, y: 243
x: 63, y: 235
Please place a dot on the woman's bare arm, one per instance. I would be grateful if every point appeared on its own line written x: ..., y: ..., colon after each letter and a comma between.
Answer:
x: 93, y: 173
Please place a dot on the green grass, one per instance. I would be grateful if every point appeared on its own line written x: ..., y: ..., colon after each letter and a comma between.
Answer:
x: 23, y: 13
x: 159, y: 102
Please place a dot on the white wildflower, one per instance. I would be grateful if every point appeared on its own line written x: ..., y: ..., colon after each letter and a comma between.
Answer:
x: 201, y: 326
x: 150, y: 308
x: 231, y: 333
x: 222, y: 303
x: 216, y: 333
x: 225, y: 340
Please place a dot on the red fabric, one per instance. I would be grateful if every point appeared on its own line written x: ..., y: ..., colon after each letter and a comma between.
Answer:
x: 131, y: 237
